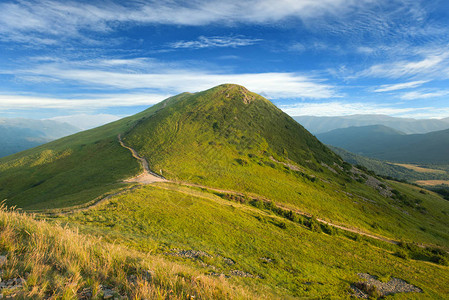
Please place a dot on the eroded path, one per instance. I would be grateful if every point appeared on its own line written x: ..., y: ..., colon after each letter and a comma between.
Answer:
x: 147, y: 175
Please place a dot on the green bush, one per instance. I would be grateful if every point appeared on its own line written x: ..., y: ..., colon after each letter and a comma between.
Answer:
x: 402, y: 254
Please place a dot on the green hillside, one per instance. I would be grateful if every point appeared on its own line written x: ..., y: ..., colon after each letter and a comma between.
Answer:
x: 275, y: 256
x: 225, y: 133
x: 68, y: 171
x: 251, y: 197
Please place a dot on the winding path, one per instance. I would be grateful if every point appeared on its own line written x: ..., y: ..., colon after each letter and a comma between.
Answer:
x: 150, y: 177
x: 147, y: 176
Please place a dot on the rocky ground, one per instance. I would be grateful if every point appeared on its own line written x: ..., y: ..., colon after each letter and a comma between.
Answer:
x: 372, y: 287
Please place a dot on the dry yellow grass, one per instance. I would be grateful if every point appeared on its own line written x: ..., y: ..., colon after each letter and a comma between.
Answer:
x: 419, y: 169
x: 432, y: 182
x: 58, y: 263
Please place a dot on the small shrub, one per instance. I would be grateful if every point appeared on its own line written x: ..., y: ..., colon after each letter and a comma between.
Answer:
x: 346, y: 166
x: 402, y: 254
x: 375, y: 225
x: 314, y: 225
x: 328, y: 229
x: 257, y: 203
x: 241, y: 161
x: 282, y: 225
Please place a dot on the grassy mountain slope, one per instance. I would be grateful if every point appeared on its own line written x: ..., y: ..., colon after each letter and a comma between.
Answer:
x: 245, y: 178
x: 206, y: 136
x: 387, y: 144
x: 227, y: 138
x: 68, y: 171
x: 230, y: 138
x: 20, y: 134
x: 317, y: 125
x: 255, y: 247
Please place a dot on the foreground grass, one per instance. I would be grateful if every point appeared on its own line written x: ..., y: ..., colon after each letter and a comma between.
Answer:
x: 284, y: 257
x: 59, y: 263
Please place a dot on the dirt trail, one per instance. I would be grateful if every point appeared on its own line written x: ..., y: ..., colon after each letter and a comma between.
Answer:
x: 147, y: 175
x: 86, y: 206
x: 302, y: 213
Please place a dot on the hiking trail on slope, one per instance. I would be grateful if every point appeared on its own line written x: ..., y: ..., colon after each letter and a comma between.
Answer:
x: 147, y: 176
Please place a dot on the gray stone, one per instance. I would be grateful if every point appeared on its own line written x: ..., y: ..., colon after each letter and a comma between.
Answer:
x: 3, y: 260
x: 108, y: 294
x: 393, y: 286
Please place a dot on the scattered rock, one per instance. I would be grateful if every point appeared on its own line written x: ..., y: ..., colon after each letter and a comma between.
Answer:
x: 107, y: 292
x: 288, y: 165
x: 219, y: 274
x: 194, y: 254
x: 373, y: 182
x: 10, y: 286
x: 3, y: 260
x: 366, y: 199
x: 311, y: 282
x: 85, y: 294
x: 266, y: 259
x: 240, y: 273
x: 228, y: 260
x: 338, y: 166
x: 393, y: 286
x: 329, y: 168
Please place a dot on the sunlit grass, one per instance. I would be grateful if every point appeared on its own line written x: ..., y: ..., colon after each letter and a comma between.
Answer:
x: 58, y: 263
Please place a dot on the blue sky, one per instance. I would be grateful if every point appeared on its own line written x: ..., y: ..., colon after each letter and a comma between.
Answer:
x: 309, y: 57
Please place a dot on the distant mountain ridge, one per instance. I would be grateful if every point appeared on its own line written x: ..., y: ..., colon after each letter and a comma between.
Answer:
x: 317, y: 125
x: 384, y: 143
x: 18, y: 134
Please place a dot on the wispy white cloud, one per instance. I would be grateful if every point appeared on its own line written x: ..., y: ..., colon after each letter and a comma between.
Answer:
x: 215, y: 42
x: 297, y: 47
x: 69, y: 19
x: 413, y: 95
x: 429, y: 65
x: 90, y: 101
x: 339, y: 108
x: 400, y: 86
x: 153, y: 75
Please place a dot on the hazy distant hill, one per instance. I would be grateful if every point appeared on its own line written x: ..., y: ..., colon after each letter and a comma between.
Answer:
x: 388, y: 144
x: 20, y: 134
x: 385, y: 168
x: 318, y: 125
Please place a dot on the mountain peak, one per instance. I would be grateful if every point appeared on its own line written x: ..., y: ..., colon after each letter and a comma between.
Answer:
x: 236, y: 92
